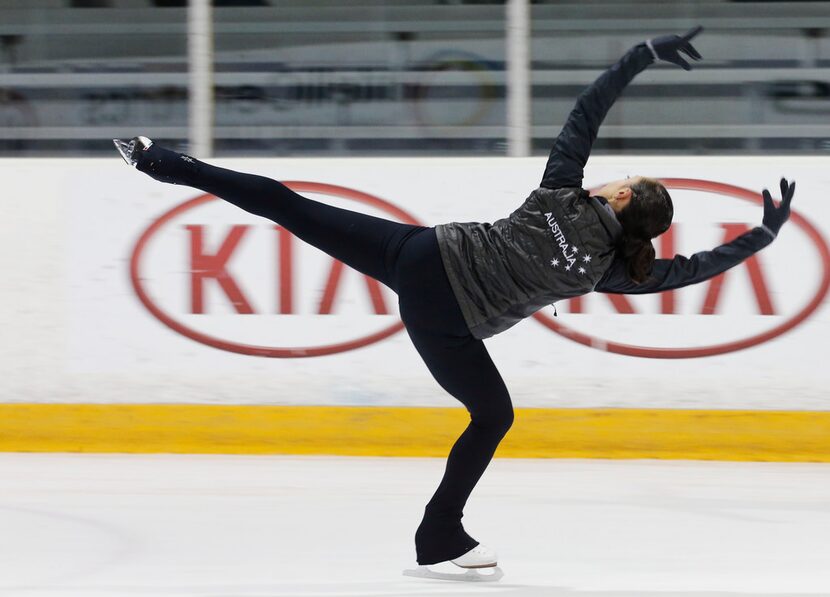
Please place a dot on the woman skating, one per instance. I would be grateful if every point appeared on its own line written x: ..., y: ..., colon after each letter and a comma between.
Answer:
x: 460, y: 283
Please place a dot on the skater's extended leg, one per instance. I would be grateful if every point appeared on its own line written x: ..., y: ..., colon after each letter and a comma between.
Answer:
x: 368, y: 244
x: 462, y: 366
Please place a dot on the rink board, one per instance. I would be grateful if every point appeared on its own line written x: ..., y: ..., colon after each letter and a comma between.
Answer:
x: 144, y: 317
x: 399, y: 431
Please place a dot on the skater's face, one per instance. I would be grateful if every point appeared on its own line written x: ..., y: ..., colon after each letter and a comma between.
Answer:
x: 618, y: 193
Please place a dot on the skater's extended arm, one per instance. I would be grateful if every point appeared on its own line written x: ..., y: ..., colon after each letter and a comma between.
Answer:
x: 669, y: 274
x: 573, y: 145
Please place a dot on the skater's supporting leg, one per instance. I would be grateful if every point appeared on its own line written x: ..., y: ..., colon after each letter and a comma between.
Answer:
x: 462, y: 366
x: 368, y: 244
x: 465, y: 370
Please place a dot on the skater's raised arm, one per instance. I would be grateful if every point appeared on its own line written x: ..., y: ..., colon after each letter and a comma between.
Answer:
x: 669, y: 274
x: 573, y: 145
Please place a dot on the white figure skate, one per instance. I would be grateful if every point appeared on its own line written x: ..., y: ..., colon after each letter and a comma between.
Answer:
x: 129, y: 149
x: 475, y: 561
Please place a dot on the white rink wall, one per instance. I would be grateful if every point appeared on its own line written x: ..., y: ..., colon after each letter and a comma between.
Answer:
x: 75, y: 331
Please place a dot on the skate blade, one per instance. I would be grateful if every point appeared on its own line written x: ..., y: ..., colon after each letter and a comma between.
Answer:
x: 471, y: 575
x: 126, y: 149
x: 129, y: 149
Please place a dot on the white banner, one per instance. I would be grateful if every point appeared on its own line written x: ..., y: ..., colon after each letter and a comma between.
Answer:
x: 118, y: 288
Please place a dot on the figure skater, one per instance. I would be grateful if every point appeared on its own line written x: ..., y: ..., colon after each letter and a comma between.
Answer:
x: 460, y: 283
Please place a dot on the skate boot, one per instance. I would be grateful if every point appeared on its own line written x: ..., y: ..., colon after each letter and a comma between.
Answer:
x: 162, y: 164
x: 479, y: 557
x: 131, y: 149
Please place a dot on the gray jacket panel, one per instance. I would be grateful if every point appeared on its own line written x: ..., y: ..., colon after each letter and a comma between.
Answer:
x: 557, y: 245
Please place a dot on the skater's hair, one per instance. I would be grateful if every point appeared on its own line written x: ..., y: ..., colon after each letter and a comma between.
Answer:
x: 647, y: 215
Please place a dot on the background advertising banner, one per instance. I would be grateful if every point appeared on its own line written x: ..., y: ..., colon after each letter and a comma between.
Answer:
x: 120, y: 289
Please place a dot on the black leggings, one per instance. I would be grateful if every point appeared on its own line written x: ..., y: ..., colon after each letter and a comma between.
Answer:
x: 406, y: 258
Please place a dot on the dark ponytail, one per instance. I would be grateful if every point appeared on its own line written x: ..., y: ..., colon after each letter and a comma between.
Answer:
x: 647, y: 215
x: 639, y: 258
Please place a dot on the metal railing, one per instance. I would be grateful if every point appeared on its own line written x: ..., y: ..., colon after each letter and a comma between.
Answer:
x: 396, y: 77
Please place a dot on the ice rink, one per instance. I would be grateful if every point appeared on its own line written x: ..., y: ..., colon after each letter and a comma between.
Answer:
x: 122, y: 525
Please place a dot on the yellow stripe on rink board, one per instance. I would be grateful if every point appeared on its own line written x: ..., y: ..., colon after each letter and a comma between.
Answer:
x: 397, y: 431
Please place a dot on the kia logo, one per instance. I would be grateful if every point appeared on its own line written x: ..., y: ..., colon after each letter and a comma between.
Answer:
x: 185, y: 310
x: 279, y: 286
x: 760, y: 283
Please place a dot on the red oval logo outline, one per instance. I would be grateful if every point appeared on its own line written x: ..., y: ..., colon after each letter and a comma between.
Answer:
x: 253, y: 350
x: 691, y: 184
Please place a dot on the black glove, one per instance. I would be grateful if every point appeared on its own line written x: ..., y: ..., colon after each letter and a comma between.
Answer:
x: 668, y: 48
x: 774, y: 217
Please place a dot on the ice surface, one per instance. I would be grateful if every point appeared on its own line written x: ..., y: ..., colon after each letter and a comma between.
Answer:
x: 221, y: 526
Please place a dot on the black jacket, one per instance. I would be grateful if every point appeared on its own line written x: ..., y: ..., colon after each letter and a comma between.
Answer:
x: 561, y: 242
